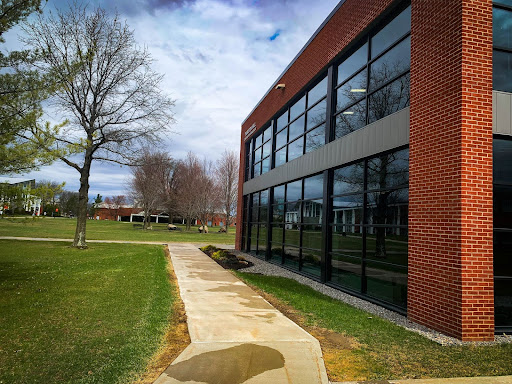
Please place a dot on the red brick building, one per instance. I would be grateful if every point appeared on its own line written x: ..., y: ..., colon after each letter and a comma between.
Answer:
x: 368, y: 165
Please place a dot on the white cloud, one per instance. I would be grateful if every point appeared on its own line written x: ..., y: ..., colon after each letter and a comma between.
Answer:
x: 218, y: 62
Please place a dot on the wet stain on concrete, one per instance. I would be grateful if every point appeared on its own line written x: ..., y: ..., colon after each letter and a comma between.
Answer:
x: 205, y: 276
x: 374, y: 382
x: 243, y: 292
x: 233, y: 365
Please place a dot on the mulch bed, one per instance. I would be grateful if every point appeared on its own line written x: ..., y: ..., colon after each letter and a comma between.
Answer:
x: 226, y: 259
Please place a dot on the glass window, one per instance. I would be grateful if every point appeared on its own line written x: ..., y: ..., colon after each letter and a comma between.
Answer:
x: 281, y: 138
x: 281, y: 157
x: 278, y: 213
x: 346, y: 271
x: 292, y: 216
x: 257, y: 155
x: 258, y: 140
x: 296, y: 149
x: 264, y: 197
x: 352, y: 91
x: 315, y: 138
x: 257, y: 169
x: 502, y: 161
x: 312, y: 236
x: 294, y: 191
x: 398, y: 27
x: 316, y: 115
x: 389, y: 170
x: 388, y: 207
x: 277, y: 233
x: 347, y: 240
x: 351, y: 119
x: 504, y: 2
x: 502, y: 303
x: 266, y: 148
x: 387, y: 245
x: 267, y: 134
x: 502, y: 28
x: 297, y: 108
x: 348, y: 210
x: 265, y: 165
x: 353, y: 63
x: 502, y: 207
x: 311, y: 261
x: 502, y: 254
x: 291, y: 235
x: 296, y: 128
x: 312, y: 212
x: 387, y: 282
x: 291, y: 257
x: 349, y: 179
x: 279, y: 194
x: 502, y: 71
x: 319, y: 91
x: 282, y: 121
x: 276, y: 253
x: 314, y: 187
x: 389, y: 99
x: 391, y: 64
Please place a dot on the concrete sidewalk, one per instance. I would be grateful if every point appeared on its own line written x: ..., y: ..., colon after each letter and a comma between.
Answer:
x: 457, y: 380
x: 237, y: 337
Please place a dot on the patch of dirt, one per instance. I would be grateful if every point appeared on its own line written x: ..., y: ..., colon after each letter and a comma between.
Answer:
x: 176, y: 338
x: 340, y: 352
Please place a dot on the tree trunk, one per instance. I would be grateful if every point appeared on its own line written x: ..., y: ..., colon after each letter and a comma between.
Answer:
x: 228, y: 221
x: 83, y: 198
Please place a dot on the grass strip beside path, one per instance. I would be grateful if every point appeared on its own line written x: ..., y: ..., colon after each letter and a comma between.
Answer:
x: 81, y: 316
x: 64, y: 228
x: 361, y: 346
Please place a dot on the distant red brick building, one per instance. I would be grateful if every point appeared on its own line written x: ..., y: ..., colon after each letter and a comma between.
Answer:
x: 368, y: 165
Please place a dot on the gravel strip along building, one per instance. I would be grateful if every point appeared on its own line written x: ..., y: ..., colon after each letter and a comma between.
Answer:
x: 380, y: 162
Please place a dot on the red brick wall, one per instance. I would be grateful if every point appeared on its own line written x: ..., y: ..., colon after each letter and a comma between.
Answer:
x: 450, y: 284
x: 352, y: 18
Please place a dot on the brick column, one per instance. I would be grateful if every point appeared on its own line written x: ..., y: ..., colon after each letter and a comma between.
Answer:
x: 450, y: 284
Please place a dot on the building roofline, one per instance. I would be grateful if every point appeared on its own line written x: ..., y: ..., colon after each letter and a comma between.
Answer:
x: 296, y: 57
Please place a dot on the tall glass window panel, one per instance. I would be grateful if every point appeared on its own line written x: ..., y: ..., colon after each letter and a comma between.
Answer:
x: 351, y: 120
x: 390, y: 99
x: 262, y: 241
x: 291, y: 257
x: 349, y: 179
x: 281, y: 157
x: 502, y: 28
x: 314, y: 187
x: 278, y: 213
x: 315, y: 138
x: 346, y: 271
x: 347, y: 240
x: 503, y: 207
x: 282, y: 121
x: 348, y: 210
x: 258, y: 140
x: 319, y: 91
x: 296, y: 149
x: 311, y: 261
x: 316, y: 115
x: 292, y: 215
x: 387, y: 244
x: 353, y: 63
x: 257, y: 169
x: 296, y: 128
x: 276, y: 253
x: 387, y: 283
x: 265, y: 165
x: 257, y: 154
x: 281, y: 138
x: 312, y: 236
x: 503, y: 303
x: 277, y: 233
x: 389, y: 170
x: 267, y: 134
x: 502, y: 71
x: 502, y: 254
x: 264, y: 197
x: 267, y: 147
x: 395, y: 29
x: 254, y: 237
x: 388, y: 207
x: 294, y: 191
x: 279, y: 194
x: 291, y: 235
x: 352, y: 91
x: 312, y: 212
x: 502, y: 161
x: 297, y: 108
x: 391, y: 64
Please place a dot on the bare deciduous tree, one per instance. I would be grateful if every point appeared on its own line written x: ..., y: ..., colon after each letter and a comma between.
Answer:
x: 108, y: 91
x: 187, y: 187
x: 208, y: 198
x: 226, y: 174
x: 149, y: 179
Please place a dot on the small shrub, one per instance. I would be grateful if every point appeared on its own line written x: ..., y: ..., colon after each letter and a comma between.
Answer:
x: 209, y: 249
x: 221, y: 254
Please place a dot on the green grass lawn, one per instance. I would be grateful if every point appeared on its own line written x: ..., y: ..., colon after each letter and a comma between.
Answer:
x: 109, y: 230
x: 81, y: 316
x: 381, y: 350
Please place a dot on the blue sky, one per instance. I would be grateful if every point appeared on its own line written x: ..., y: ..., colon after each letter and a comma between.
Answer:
x: 219, y: 57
